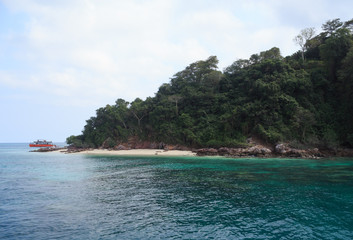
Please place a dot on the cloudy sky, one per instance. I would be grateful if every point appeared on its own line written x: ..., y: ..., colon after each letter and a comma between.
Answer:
x: 60, y: 60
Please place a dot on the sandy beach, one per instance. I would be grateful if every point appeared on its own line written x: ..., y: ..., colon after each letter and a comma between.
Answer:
x: 138, y: 152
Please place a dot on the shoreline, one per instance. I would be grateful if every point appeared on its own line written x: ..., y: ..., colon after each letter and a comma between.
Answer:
x: 136, y: 152
x: 257, y: 151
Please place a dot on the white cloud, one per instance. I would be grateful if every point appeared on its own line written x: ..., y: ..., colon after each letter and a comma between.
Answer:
x: 61, y: 59
x: 127, y: 49
x: 95, y: 60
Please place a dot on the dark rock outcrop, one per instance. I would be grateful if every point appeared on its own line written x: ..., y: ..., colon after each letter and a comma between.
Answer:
x: 257, y: 150
x: 279, y: 150
x: 207, y: 152
x: 49, y: 149
x: 286, y: 151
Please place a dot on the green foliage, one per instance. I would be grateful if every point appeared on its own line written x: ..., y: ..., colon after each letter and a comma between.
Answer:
x: 70, y: 140
x: 332, y: 25
x: 270, y: 135
x: 76, y: 141
x: 109, y: 143
x: 344, y: 89
x: 296, y: 99
x: 350, y: 139
x: 234, y: 143
x: 330, y: 138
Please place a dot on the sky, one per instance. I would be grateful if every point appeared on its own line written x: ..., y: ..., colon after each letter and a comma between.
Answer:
x: 60, y: 60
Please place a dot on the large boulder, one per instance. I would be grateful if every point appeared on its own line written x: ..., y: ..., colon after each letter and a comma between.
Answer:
x: 266, y: 150
x: 224, y: 151
x: 258, y: 150
x: 255, y: 150
x: 120, y: 147
x: 281, y: 148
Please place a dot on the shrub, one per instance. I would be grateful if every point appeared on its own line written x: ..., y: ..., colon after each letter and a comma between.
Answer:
x: 271, y: 135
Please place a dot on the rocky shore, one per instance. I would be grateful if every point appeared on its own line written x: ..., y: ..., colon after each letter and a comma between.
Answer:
x: 279, y: 150
x: 254, y: 149
x: 51, y: 149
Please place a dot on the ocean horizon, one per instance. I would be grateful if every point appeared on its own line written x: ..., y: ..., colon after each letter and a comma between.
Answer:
x: 75, y: 196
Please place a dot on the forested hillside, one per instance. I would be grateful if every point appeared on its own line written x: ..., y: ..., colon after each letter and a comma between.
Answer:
x: 304, y: 99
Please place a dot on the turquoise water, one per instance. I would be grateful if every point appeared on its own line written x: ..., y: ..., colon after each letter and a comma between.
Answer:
x: 61, y: 196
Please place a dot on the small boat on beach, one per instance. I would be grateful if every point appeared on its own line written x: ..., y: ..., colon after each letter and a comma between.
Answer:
x: 42, y: 143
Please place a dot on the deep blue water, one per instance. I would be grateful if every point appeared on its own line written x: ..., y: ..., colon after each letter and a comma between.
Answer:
x: 63, y: 196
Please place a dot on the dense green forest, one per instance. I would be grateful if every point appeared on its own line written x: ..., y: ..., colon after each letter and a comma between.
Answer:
x: 305, y: 99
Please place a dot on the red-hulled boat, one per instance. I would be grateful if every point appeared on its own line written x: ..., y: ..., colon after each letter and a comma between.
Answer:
x: 42, y: 143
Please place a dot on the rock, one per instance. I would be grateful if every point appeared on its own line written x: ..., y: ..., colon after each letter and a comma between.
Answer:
x: 120, y: 147
x: 168, y: 147
x: 213, y: 151
x: 153, y: 145
x: 229, y: 152
x: 161, y: 145
x: 207, y: 152
x: 280, y: 148
x: 265, y: 150
x: 75, y: 150
x: 315, y: 150
x: 295, y: 153
x: 224, y: 151
x: 255, y: 150
x: 315, y: 153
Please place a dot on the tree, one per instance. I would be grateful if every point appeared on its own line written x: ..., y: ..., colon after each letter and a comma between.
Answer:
x: 273, y: 53
x: 175, y: 98
x: 120, y: 111
x: 334, y: 50
x: 303, y: 120
x: 345, y: 90
x: 195, y: 72
x: 349, y: 25
x: 332, y: 25
x: 239, y: 65
x: 139, y: 110
x: 304, y: 36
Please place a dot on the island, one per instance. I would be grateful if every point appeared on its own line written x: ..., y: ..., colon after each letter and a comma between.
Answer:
x: 268, y: 105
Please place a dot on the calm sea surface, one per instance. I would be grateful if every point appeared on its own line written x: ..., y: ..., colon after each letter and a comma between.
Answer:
x: 63, y: 196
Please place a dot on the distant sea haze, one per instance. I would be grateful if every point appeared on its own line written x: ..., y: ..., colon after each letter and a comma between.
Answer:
x: 76, y: 196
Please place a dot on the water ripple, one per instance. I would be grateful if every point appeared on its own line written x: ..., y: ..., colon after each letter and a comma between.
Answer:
x: 74, y: 197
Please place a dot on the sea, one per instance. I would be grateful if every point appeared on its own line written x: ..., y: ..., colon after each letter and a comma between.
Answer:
x: 74, y: 196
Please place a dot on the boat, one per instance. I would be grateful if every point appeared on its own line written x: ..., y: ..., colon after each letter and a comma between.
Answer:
x: 42, y: 143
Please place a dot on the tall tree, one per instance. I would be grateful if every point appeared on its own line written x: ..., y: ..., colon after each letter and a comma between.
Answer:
x: 139, y: 110
x: 120, y: 111
x: 175, y: 98
x: 302, y: 38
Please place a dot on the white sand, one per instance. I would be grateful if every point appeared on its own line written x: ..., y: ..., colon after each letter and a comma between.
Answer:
x: 138, y: 152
